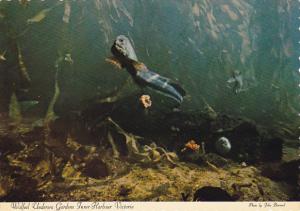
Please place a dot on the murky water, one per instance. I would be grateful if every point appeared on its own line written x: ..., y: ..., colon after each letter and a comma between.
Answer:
x: 235, y: 59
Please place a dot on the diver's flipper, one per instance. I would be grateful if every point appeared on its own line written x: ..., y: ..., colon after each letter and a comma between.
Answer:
x: 162, y: 84
x: 178, y: 88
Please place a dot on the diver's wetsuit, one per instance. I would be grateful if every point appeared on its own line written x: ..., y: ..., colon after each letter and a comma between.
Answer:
x: 124, y: 53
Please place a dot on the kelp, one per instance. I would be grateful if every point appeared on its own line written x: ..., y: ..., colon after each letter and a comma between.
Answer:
x: 147, y: 154
x: 23, y: 69
x: 64, y: 56
x: 14, y: 109
x: 50, y: 115
x: 67, y: 12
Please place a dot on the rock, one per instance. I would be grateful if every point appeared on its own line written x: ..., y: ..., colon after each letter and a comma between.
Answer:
x: 271, y: 149
x: 9, y: 144
x: 243, y: 164
x: 124, y: 191
x: 287, y: 171
x: 223, y: 145
x: 250, y: 143
x: 191, y: 156
x: 21, y: 191
x: 209, y: 193
x: 96, y: 168
x: 6, y: 185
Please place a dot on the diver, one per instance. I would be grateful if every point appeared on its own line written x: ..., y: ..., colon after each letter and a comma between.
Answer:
x: 124, y: 56
x: 237, y: 81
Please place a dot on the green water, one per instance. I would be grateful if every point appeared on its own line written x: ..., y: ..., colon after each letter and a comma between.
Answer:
x: 72, y: 125
x: 199, y: 43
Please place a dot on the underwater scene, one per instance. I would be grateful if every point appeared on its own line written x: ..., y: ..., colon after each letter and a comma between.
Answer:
x: 149, y: 100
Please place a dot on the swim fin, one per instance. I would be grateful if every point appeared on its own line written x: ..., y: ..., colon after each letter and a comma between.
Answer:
x: 161, y: 84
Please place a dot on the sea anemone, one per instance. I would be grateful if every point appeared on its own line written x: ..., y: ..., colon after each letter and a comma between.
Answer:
x: 192, y: 145
x: 146, y: 101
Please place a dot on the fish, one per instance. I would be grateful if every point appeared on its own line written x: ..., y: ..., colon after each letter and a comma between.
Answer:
x: 68, y: 58
x: 28, y: 104
x: 42, y: 14
x: 237, y: 81
x: 2, y: 56
x: 124, y: 56
x: 39, y: 16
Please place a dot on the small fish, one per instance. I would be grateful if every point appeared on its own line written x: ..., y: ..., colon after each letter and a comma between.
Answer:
x: 27, y: 105
x: 39, y: 17
x: 68, y: 58
x: 275, y: 86
x: 237, y: 81
x: 2, y: 56
x: 224, y: 51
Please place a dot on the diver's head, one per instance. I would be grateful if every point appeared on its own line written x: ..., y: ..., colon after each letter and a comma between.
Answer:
x: 122, y: 48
